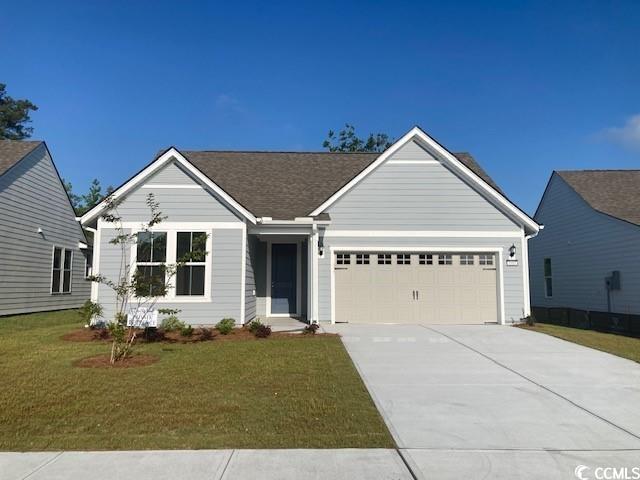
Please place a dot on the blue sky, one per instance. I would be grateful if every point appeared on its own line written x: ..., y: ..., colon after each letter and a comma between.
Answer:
x: 526, y: 87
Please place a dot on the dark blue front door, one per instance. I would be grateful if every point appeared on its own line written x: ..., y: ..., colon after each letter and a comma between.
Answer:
x: 283, y: 277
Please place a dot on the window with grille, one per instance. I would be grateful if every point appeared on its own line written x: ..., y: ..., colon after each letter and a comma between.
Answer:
x: 362, y: 259
x: 61, y: 272
x: 485, y: 259
x: 403, y: 259
x: 548, y: 279
x: 445, y: 260
x: 343, y: 259
x: 151, y: 253
x: 425, y: 259
x: 190, y: 254
x: 384, y: 259
x: 466, y: 259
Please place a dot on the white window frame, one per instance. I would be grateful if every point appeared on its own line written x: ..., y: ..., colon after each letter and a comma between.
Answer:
x: 384, y: 258
x: 445, y: 259
x: 547, y: 277
x: 363, y: 259
x: 486, y: 259
x: 466, y: 259
x: 192, y: 264
x: 425, y: 259
x: 63, y: 254
x: 403, y: 259
x: 172, y: 230
x: 343, y: 259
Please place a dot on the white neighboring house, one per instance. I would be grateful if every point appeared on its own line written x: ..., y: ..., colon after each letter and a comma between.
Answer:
x: 415, y: 234
x: 591, y: 230
x: 43, y: 252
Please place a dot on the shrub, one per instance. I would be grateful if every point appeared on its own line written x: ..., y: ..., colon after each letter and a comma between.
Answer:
x: 262, y: 331
x: 206, y: 334
x: 311, y: 329
x: 530, y: 320
x: 89, y: 312
x: 171, y: 323
x: 254, y: 325
x: 186, y: 330
x: 225, y: 325
x: 152, y: 334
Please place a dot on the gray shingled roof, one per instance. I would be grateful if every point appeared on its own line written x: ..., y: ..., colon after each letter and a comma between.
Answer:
x: 613, y: 192
x: 12, y: 151
x: 285, y: 185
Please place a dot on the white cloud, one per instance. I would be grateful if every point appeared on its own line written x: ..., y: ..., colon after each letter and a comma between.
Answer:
x: 628, y: 135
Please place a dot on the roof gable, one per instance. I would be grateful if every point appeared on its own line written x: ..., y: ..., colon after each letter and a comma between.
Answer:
x: 613, y: 192
x: 12, y: 151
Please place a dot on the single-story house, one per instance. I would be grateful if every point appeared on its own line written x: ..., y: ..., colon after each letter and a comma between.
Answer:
x: 44, y: 259
x: 587, y: 257
x: 414, y: 234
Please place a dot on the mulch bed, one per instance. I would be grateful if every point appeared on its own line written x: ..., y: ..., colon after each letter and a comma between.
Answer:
x: 199, y: 335
x: 103, y: 361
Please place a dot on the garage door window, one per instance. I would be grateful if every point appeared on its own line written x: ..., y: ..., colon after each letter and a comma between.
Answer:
x: 362, y: 259
x: 424, y: 259
x: 384, y: 259
x: 403, y: 259
x: 485, y: 259
x: 445, y: 260
x: 466, y: 259
x: 343, y: 259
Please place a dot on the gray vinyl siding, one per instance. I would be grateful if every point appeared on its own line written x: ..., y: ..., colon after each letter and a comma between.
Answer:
x: 420, y: 197
x: 226, y: 279
x: 260, y: 274
x: 584, y: 247
x: 187, y: 205
x: 415, y: 197
x: 32, y: 197
x: 250, y: 281
x: 178, y: 205
x: 513, y: 275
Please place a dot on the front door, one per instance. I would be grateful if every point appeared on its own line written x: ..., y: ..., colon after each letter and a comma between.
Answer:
x: 283, y: 278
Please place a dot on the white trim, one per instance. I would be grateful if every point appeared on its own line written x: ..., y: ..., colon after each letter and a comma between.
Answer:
x: 314, y: 276
x: 170, y: 155
x: 356, y: 248
x: 417, y: 134
x: 298, y: 279
x: 281, y: 230
x: 96, y: 259
x: 63, y: 254
x: 525, y: 274
x: 413, y: 162
x: 243, y: 273
x: 174, y: 225
x: 170, y: 259
x: 163, y: 185
x: 424, y: 233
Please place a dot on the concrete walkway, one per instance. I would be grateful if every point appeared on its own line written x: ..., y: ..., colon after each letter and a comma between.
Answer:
x: 347, y: 464
x: 498, y: 402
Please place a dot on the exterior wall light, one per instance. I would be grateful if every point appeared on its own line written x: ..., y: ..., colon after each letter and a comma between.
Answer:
x: 512, y: 251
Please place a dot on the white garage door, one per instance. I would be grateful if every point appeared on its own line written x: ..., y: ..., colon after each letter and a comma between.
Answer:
x: 415, y: 287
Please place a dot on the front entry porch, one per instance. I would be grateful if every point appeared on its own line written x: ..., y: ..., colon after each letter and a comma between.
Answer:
x: 280, y: 265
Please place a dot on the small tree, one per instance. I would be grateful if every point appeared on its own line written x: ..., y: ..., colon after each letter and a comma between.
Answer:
x: 347, y: 141
x: 14, y: 116
x: 135, y: 288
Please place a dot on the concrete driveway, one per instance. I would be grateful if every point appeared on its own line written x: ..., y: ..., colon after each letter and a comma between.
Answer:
x: 497, y: 401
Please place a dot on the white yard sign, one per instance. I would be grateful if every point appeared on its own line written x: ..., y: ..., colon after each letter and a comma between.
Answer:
x: 141, y: 317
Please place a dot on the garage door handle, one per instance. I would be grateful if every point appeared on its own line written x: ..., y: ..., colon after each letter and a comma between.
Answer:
x: 414, y: 294
x: 417, y: 295
x: 340, y: 268
x: 489, y: 269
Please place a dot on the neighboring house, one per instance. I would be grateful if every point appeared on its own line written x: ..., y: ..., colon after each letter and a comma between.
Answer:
x: 42, y: 246
x: 414, y: 234
x: 591, y: 229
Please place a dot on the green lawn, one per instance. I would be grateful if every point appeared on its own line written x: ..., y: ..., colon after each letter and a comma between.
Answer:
x: 625, y: 347
x: 273, y: 393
